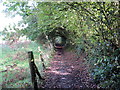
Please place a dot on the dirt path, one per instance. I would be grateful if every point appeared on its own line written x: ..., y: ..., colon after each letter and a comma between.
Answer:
x: 67, y: 71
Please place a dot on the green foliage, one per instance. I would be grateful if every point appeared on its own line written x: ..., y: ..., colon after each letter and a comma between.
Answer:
x: 14, y: 65
x: 92, y: 27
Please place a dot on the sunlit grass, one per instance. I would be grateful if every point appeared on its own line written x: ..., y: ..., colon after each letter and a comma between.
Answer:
x: 14, y: 65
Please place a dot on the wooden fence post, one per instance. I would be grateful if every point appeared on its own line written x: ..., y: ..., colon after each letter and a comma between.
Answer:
x: 41, y: 57
x: 42, y: 60
x: 32, y: 69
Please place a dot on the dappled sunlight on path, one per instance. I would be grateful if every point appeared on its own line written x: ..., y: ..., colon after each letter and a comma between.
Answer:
x: 67, y: 71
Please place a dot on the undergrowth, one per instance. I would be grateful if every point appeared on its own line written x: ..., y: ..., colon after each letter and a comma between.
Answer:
x: 14, y: 65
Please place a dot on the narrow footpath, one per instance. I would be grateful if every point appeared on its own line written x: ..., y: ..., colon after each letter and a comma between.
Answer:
x: 68, y: 71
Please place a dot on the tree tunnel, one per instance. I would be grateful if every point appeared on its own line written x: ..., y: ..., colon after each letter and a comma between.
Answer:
x: 58, y: 37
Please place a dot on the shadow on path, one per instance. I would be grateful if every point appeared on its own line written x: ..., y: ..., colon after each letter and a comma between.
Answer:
x: 67, y: 71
